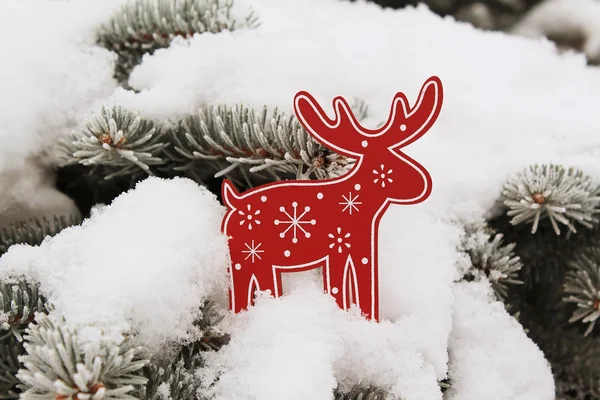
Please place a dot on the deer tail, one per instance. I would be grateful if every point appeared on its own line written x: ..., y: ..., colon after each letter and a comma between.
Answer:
x: 229, y: 194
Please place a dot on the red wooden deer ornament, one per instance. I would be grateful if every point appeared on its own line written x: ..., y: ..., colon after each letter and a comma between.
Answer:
x: 332, y: 224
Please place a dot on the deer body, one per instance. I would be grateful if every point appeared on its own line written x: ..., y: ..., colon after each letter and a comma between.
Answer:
x: 332, y: 224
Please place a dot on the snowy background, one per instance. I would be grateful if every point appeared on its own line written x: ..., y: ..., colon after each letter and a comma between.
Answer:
x: 147, y: 261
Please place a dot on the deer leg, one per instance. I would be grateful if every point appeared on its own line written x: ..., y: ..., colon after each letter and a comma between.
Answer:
x: 353, y: 282
x: 362, y: 275
x: 250, y: 277
x: 243, y: 282
x: 333, y: 280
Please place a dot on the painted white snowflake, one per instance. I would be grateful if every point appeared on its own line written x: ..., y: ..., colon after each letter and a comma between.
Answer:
x: 295, y: 222
x: 249, y: 217
x: 339, y: 240
x: 382, y: 176
x: 350, y: 203
x: 253, y: 251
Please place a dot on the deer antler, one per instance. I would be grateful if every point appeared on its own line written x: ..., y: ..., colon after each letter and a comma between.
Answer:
x: 414, y: 122
x: 338, y: 134
x: 346, y: 136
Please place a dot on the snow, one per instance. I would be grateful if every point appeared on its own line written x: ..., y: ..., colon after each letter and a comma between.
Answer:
x: 489, y: 349
x: 28, y: 191
x: 509, y: 102
x: 303, y: 346
x: 145, y: 263
x: 51, y: 74
x: 566, y: 20
x: 504, y: 95
x: 421, y: 292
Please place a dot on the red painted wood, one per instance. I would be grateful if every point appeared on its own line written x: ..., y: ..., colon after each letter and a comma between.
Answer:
x: 295, y: 226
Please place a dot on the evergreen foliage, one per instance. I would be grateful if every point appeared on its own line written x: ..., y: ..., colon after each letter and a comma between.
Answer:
x: 143, y: 26
x: 582, y: 285
x: 174, y: 378
x: 260, y: 145
x: 565, y: 196
x: 34, y: 231
x: 58, y: 365
x: 552, y: 282
x: 172, y: 382
x: 492, y: 259
x: 237, y: 142
x: 361, y: 394
x: 10, y: 350
x: 556, y: 302
x: 118, y: 139
x: 19, y: 302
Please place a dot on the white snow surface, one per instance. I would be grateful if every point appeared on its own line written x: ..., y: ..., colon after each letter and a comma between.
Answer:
x: 509, y: 102
x: 565, y: 20
x: 144, y: 264
x: 51, y: 74
x: 483, y: 358
x: 302, y: 346
x: 148, y: 260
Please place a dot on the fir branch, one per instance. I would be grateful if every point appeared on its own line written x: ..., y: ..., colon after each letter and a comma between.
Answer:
x: 212, y: 338
x: 19, y: 301
x: 575, y: 362
x: 176, y: 380
x: 361, y: 394
x: 492, y: 259
x: 143, y: 26
x: 173, y: 382
x: 226, y: 139
x: 551, y: 191
x: 118, y: 139
x: 10, y: 350
x: 58, y: 366
x: 582, y: 284
x: 34, y: 231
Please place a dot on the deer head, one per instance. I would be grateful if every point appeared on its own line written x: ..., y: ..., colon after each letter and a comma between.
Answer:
x: 377, y: 151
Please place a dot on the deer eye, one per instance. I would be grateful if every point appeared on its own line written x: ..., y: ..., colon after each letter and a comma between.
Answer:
x: 364, y: 143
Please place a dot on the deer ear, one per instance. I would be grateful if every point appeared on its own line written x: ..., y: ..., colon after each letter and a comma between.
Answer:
x: 338, y: 134
x: 229, y: 194
x: 420, y: 118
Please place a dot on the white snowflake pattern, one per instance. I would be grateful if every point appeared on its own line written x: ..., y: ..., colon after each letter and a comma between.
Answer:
x: 339, y: 240
x: 382, y: 176
x: 253, y: 251
x: 350, y: 203
x: 249, y: 217
x: 295, y: 222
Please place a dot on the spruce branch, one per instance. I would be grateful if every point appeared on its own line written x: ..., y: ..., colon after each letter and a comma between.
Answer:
x: 118, y: 139
x: 34, y: 231
x: 176, y: 380
x: 143, y: 26
x: 173, y: 382
x: 226, y: 139
x: 575, y: 362
x: 582, y: 284
x: 565, y: 196
x: 19, y: 301
x: 212, y: 338
x: 491, y: 258
x: 10, y: 350
x: 58, y: 366
x: 361, y: 394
